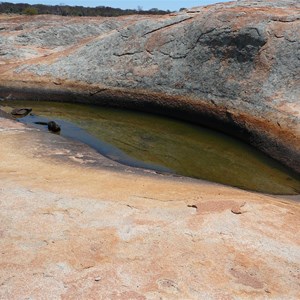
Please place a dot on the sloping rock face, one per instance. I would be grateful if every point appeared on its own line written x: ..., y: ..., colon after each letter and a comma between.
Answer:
x: 75, y: 225
x: 72, y: 230
x: 232, y: 66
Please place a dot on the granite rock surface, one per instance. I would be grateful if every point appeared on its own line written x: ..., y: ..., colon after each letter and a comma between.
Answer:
x: 75, y: 225
x: 231, y: 66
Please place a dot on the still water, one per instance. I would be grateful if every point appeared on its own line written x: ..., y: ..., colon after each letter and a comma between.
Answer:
x: 165, y: 144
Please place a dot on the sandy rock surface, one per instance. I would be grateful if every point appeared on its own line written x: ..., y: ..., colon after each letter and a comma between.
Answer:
x: 75, y: 225
x: 232, y: 66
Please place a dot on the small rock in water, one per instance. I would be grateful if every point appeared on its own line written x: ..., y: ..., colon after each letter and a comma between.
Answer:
x: 21, y: 112
x: 53, y: 126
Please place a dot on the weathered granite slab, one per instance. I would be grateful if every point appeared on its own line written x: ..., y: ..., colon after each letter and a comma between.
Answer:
x: 232, y: 66
x: 74, y: 227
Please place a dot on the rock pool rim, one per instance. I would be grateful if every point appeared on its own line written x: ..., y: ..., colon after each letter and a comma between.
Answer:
x: 268, y: 138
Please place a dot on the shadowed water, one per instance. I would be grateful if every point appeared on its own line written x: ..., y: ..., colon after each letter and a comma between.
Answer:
x: 164, y: 144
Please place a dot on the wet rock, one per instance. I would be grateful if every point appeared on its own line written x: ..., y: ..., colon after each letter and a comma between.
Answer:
x: 21, y: 112
x: 53, y: 126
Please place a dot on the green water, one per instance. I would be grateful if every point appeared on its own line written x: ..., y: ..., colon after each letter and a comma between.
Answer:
x: 184, y: 148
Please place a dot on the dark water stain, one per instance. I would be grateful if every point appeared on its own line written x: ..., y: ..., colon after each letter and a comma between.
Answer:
x: 167, y: 145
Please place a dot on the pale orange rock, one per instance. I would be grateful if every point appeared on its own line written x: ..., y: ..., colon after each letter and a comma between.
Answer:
x: 76, y: 230
x: 75, y: 225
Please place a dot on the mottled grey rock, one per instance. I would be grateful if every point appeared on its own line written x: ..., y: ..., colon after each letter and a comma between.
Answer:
x: 231, y: 66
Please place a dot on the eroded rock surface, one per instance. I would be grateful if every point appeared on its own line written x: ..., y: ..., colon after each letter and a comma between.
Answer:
x: 75, y: 225
x: 233, y: 66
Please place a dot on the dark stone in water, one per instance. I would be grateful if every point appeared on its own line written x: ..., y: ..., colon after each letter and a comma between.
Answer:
x: 53, y: 126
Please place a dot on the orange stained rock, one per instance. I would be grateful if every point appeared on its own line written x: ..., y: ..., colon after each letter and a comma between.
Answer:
x: 80, y: 230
